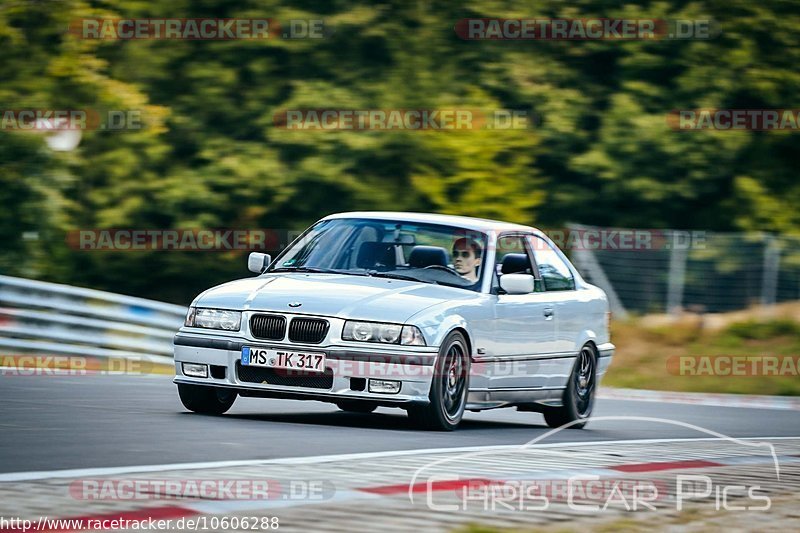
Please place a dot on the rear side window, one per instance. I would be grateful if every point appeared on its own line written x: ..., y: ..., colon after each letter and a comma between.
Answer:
x: 555, y: 273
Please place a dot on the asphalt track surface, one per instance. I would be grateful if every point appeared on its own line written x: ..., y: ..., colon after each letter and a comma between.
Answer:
x: 66, y: 422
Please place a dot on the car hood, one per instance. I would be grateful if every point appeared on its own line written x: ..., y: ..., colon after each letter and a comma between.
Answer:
x: 342, y: 296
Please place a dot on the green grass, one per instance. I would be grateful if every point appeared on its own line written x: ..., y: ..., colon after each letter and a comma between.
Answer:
x: 643, y: 352
x: 753, y: 329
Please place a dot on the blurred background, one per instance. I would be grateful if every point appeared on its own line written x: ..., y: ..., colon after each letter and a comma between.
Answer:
x: 600, y: 151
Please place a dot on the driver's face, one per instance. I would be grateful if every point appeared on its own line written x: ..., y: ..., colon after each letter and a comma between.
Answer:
x: 465, y: 262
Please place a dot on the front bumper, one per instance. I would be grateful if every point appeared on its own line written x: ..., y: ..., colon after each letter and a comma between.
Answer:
x: 412, y: 366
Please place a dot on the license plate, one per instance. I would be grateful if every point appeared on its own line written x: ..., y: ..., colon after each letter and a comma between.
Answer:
x: 286, y: 359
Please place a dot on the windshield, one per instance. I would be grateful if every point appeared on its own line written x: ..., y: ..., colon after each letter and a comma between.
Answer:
x: 428, y: 253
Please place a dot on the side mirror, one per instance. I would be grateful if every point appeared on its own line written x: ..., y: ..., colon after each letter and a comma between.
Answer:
x: 257, y: 262
x: 517, y: 283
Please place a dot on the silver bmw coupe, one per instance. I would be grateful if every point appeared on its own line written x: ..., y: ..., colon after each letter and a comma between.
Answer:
x: 433, y: 314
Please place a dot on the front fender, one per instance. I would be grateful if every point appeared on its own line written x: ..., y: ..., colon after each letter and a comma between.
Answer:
x: 436, y: 327
x: 475, y: 316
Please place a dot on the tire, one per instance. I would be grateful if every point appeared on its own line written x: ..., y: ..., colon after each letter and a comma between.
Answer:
x: 357, y: 407
x: 206, y: 400
x: 578, y: 400
x: 448, y: 395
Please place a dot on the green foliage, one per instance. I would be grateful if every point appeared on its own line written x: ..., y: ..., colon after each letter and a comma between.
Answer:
x: 209, y: 156
x: 647, y: 356
x: 761, y: 330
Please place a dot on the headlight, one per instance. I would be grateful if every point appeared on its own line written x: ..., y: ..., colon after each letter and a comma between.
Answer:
x: 412, y: 336
x: 189, y: 320
x: 383, y: 333
x: 213, y: 319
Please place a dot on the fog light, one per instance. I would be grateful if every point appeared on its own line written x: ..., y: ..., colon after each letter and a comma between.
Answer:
x: 195, y: 370
x: 384, y: 386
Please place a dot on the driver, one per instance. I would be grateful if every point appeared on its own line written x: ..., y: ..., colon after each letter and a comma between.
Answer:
x: 467, y: 258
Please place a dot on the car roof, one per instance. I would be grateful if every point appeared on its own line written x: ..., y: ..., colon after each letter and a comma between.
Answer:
x: 476, y: 224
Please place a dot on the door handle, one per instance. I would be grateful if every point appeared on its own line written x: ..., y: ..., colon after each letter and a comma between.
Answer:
x: 548, y: 313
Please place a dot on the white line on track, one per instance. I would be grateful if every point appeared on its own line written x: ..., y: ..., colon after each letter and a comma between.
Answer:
x: 739, y: 401
x: 116, y: 470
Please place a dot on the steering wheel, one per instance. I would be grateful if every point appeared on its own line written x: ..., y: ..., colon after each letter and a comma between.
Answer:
x: 442, y: 267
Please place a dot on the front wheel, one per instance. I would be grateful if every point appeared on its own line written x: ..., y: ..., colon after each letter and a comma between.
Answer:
x: 578, y: 400
x: 206, y: 400
x: 448, y: 394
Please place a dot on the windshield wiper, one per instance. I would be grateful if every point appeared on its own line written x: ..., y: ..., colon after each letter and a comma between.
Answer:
x: 316, y: 270
x: 313, y: 270
x: 392, y: 275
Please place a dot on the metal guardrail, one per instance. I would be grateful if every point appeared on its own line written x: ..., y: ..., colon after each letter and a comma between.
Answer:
x: 42, y: 317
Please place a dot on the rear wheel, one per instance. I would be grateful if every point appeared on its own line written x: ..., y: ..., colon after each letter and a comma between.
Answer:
x: 448, y: 394
x: 206, y: 400
x: 357, y: 407
x: 578, y: 400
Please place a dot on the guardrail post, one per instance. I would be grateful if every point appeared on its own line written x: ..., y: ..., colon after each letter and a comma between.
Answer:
x: 769, y: 278
x: 677, y: 274
x: 587, y: 263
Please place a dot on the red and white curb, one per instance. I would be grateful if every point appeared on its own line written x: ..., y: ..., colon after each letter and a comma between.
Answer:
x: 219, y: 507
x: 187, y: 509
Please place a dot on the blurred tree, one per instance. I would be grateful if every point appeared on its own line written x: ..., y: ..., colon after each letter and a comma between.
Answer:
x: 601, y: 151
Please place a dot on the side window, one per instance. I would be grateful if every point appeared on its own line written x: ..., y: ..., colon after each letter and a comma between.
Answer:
x: 511, y: 257
x: 555, y: 273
